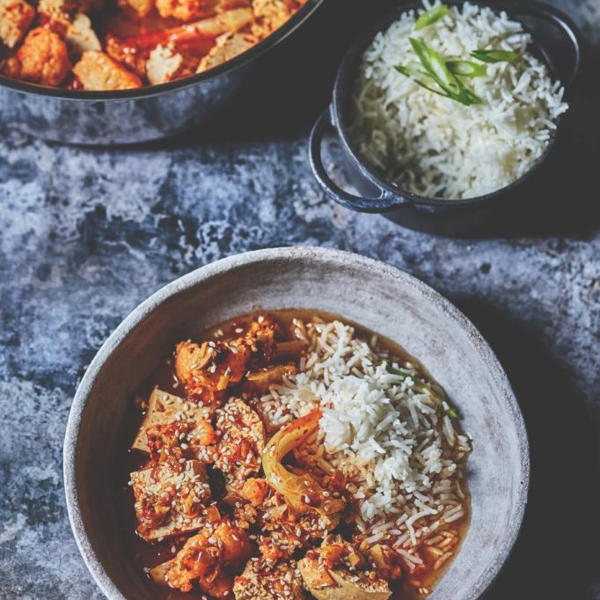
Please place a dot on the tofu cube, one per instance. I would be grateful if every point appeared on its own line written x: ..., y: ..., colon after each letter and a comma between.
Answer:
x: 280, y: 582
x: 242, y: 440
x: 164, y: 409
x: 260, y: 381
x: 170, y: 501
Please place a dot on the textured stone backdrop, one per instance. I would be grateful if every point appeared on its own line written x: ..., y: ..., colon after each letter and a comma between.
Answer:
x: 86, y: 234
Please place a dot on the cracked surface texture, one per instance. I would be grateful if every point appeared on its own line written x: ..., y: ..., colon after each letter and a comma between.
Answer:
x: 86, y: 234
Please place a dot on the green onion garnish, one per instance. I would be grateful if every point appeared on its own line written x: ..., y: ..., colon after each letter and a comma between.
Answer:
x: 422, y: 79
x: 494, y: 56
x: 421, y: 385
x: 431, y: 16
x: 466, y: 68
x: 403, y: 373
x: 435, y: 65
x: 471, y: 97
x: 452, y: 413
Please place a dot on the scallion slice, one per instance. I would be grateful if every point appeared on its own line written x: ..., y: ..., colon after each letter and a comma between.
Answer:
x: 421, y: 78
x: 402, y: 373
x: 466, y: 68
x: 421, y: 385
x: 431, y: 16
x: 435, y: 65
x: 494, y: 56
x: 470, y: 97
x: 452, y: 413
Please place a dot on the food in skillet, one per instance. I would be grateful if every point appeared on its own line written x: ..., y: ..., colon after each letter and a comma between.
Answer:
x: 124, y: 44
x: 452, y: 102
x: 290, y: 458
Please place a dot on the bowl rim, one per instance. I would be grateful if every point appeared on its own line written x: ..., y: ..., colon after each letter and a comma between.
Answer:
x: 247, y: 259
x: 272, y: 40
x: 343, y: 80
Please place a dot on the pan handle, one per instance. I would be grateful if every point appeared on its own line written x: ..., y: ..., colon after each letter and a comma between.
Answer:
x: 553, y: 16
x: 383, y: 201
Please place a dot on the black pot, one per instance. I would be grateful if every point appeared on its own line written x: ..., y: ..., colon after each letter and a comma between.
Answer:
x: 139, y: 115
x: 433, y: 215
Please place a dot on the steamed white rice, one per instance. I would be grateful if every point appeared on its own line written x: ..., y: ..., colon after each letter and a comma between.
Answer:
x: 434, y: 146
x: 404, y: 457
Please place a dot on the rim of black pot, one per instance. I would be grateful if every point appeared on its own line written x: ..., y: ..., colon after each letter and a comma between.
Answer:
x: 274, y: 39
x: 346, y: 77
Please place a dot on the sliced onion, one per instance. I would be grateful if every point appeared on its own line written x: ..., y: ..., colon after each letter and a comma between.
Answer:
x: 302, y: 492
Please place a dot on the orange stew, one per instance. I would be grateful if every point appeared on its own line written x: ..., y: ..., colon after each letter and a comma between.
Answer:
x: 225, y: 502
x: 124, y: 44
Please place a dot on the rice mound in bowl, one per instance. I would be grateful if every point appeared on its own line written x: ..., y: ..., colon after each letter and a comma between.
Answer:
x: 435, y: 147
x: 399, y: 445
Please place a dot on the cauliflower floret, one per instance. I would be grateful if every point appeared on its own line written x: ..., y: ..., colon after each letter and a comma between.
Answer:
x: 202, y: 559
x: 163, y: 64
x: 270, y: 15
x: 211, y: 365
x: 11, y: 67
x: 185, y: 10
x: 97, y: 71
x: 80, y: 36
x: 60, y: 13
x: 44, y: 57
x: 15, y: 18
x: 141, y: 7
x: 227, y: 47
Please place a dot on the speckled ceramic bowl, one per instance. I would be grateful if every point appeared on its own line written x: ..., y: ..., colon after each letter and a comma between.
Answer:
x: 373, y: 294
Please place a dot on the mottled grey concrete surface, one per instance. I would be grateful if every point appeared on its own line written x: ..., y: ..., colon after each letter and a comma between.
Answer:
x: 86, y: 234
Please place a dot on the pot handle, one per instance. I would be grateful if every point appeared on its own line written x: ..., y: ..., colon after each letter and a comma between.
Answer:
x: 385, y: 200
x: 546, y: 12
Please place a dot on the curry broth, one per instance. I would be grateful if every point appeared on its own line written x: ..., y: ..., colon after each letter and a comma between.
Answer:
x: 149, y: 554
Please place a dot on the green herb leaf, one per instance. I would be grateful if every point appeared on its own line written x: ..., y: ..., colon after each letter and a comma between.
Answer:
x: 470, y: 97
x: 466, y: 68
x: 494, y: 56
x: 404, y: 373
x: 422, y: 79
x: 435, y: 65
x: 421, y: 385
x: 452, y: 413
x: 431, y: 16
